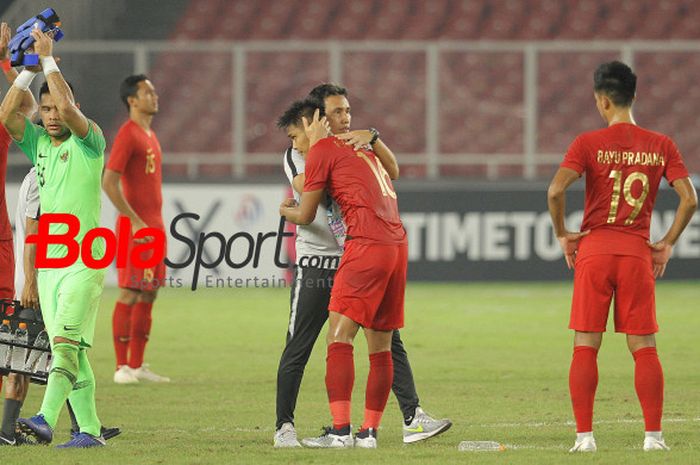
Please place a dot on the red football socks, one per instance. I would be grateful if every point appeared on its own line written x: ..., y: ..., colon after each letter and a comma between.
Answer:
x: 340, y: 377
x: 583, y: 381
x: 381, y: 376
x: 121, y: 322
x: 140, y: 329
x: 649, y: 384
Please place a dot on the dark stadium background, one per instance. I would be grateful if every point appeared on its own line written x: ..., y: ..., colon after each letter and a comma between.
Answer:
x: 478, y: 99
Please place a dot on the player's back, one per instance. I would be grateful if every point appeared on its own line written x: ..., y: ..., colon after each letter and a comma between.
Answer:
x: 623, y: 165
x: 361, y: 186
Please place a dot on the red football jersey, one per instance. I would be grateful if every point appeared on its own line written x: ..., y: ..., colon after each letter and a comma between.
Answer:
x: 137, y: 156
x: 623, y: 164
x: 5, y: 227
x: 361, y: 186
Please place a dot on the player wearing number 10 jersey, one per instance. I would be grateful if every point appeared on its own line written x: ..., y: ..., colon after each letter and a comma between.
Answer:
x: 623, y: 165
x: 368, y: 290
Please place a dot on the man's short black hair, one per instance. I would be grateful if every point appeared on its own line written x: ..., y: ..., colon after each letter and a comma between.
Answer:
x: 617, y: 81
x: 320, y: 92
x: 44, y: 89
x: 301, y: 108
x: 129, y: 87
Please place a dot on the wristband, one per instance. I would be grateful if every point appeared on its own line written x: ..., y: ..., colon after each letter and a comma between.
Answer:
x: 375, y: 136
x: 48, y: 64
x: 5, y: 65
x: 24, y: 79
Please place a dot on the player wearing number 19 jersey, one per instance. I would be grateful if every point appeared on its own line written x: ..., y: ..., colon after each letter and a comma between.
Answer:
x: 612, y: 256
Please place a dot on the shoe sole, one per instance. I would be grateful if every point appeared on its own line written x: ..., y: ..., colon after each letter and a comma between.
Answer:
x: 287, y: 446
x: 417, y: 437
x: 134, y: 381
x: 316, y: 446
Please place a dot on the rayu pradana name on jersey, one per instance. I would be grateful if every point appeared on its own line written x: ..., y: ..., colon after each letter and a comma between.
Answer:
x: 609, y: 157
x: 506, y: 236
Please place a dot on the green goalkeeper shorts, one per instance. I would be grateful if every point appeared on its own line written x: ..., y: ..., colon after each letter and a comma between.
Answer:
x: 69, y: 300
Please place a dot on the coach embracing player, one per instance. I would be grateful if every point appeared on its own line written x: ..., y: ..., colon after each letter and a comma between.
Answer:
x: 318, y: 249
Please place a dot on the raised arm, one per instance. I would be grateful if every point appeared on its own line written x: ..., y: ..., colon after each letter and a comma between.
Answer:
x: 556, y: 201
x: 58, y: 87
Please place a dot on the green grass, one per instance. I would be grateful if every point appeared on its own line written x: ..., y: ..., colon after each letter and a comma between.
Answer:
x: 492, y: 357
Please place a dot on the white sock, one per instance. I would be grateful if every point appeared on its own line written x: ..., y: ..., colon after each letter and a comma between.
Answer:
x: 581, y: 436
x: 653, y: 434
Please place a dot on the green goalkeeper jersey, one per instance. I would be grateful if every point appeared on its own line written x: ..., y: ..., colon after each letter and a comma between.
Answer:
x: 69, y: 177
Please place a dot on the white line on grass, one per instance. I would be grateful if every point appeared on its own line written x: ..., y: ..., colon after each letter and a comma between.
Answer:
x: 543, y: 424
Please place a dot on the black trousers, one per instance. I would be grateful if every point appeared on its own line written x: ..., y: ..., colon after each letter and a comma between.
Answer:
x: 311, y: 291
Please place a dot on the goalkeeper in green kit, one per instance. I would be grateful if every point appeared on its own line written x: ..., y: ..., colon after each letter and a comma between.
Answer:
x: 68, y: 153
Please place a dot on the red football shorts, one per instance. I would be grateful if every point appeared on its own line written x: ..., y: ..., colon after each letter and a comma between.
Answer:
x: 140, y: 279
x: 597, y: 278
x: 370, y: 284
x: 7, y: 270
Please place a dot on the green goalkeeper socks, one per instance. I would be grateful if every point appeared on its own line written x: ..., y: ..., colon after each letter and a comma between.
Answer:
x: 82, y: 398
x: 64, y: 373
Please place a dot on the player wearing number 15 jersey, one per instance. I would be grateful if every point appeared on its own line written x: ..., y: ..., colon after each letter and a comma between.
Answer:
x: 612, y: 256
x: 133, y: 182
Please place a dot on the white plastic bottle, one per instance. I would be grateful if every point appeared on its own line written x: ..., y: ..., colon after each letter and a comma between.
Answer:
x: 480, y: 446
x: 5, y: 349
x: 35, y: 356
x: 19, y: 354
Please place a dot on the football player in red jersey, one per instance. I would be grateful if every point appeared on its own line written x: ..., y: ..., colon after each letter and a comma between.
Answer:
x: 133, y: 181
x: 613, y: 255
x: 368, y: 290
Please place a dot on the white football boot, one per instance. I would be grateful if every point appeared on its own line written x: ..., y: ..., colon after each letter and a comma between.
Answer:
x: 144, y: 373
x: 653, y: 440
x: 286, y: 436
x: 331, y: 439
x: 125, y: 375
x: 584, y: 443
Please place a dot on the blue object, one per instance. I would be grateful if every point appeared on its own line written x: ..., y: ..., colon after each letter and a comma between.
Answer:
x: 36, y: 426
x: 47, y: 21
x: 81, y: 441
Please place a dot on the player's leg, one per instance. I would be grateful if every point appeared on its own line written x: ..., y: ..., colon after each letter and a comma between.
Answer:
x: 48, y: 282
x: 73, y: 327
x: 635, y: 315
x: 593, y: 290
x: 382, y: 320
x: 79, y: 301
x: 121, y: 331
x: 82, y: 397
x: 310, y: 294
x: 379, y: 381
x: 16, y: 390
x: 404, y: 386
x: 340, y: 379
x: 141, y: 322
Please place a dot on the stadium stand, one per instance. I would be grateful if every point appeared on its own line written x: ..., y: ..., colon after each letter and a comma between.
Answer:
x: 481, y: 106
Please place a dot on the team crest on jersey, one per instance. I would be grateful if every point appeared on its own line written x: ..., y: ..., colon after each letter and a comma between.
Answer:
x: 64, y: 157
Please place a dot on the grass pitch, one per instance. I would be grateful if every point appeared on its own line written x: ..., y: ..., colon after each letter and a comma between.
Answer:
x: 492, y: 357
